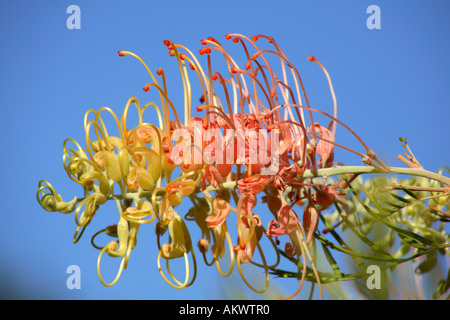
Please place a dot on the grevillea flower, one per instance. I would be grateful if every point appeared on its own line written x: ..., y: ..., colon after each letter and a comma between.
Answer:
x: 324, y: 197
x: 250, y: 237
x: 174, y: 192
x: 109, y: 161
x: 146, y: 134
x: 212, y: 176
x: 247, y: 117
x: 325, y: 146
x: 310, y: 221
x: 220, y: 211
x: 140, y: 178
x: 285, y: 223
x: 272, y: 200
x: 253, y: 184
x: 138, y: 213
x: 181, y: 240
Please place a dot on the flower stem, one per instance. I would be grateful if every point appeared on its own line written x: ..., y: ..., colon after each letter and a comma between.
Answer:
x: 369, y: 169
x: 334, y: 171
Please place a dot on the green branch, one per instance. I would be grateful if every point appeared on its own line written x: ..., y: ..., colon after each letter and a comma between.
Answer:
x: 368, y: 169
x: 334, y: 171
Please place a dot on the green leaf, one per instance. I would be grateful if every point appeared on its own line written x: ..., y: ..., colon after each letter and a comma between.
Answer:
x: 352, y: 253
x: 410, y: 193
x: 443, y: 286
x: 396, y: 196
x: 403, y: 232
x: 334, y: 265
x: 428, y: 264
x: 412, y: 242
x: 325, y: 277
x: 362, y: 237
x: 395, y: 205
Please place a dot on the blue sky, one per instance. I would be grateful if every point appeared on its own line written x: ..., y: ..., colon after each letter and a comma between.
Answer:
x: 389, y: 82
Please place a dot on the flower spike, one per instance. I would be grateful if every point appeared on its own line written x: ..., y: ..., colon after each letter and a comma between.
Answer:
x: 245, y: 164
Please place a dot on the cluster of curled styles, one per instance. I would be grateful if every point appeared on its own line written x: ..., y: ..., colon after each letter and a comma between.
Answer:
x: 137, y: 168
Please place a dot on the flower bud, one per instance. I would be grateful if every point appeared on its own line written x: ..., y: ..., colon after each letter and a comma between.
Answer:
x: 181, y: 239
x: 166, y: 161
x: 160, y: 228
x: 203, y: 245
x: 87, y: 180
x: 325, y: 197
x: 124, y: 162
x: 175, y: 199
x: 49, y: 202
x: 220, y: 211
x: 310, y: 221
x: 218, y: 249
x: 145, y: 134
x: 112, y: 231
x: 135, y: 214
x: 139, y: 177
x: 119, y: 251
x: 100, y: 145
x: 154, y: 165
x: 76, y: 166
x: 111, y: 164
x: 92, y: 204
